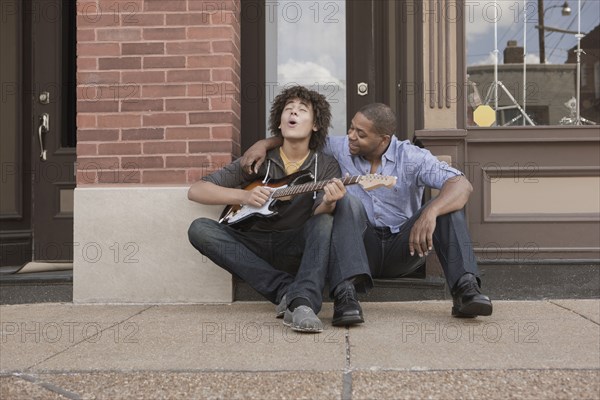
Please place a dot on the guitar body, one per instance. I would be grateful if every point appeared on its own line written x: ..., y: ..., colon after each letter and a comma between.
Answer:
x: 238, y: 214
x: 290, y: 186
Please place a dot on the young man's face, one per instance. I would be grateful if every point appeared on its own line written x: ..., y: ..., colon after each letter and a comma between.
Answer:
x: 297, y: 120
x: 362, y: 138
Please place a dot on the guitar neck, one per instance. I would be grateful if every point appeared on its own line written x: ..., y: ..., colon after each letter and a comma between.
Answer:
x: 311, y: 187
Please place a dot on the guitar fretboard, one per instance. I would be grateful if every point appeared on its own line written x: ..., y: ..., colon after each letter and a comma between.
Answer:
x: 311, y: 187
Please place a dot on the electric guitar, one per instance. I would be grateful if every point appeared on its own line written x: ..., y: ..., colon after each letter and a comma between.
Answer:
x: 292, y: 185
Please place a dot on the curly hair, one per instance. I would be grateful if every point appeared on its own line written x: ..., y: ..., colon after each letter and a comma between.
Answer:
x: 321, y: 110
x: 382, y: 117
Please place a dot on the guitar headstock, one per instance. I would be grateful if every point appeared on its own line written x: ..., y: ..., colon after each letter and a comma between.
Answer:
x: 374, y: 181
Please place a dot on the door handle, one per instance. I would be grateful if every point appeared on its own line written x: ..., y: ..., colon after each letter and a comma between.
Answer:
x: 43, y: 129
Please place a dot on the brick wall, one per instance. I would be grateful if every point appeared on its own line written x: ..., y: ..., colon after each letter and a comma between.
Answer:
x: 158, y: 90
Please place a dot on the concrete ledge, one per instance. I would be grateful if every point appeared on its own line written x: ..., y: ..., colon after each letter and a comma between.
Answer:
x: 131, y: 246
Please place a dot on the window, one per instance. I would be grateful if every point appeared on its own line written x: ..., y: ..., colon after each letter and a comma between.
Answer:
x: 522, y: 61
x: 306, y: 45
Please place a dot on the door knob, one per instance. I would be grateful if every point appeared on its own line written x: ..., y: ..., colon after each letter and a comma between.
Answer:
x: 362, y: 89
x: 42, y: 130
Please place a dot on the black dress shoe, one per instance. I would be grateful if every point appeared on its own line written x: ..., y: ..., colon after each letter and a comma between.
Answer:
x: 346, y: 308
x: 468, y: 302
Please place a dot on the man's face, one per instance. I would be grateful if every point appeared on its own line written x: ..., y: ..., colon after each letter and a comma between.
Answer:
x: 362, y: 138
x: 297, y: 120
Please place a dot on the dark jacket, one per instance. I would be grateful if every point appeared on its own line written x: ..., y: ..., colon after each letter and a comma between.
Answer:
x: 291, y: 214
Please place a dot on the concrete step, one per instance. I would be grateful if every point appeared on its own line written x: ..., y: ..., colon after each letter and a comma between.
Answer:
x: 36, y: 287
x: 500, y: 282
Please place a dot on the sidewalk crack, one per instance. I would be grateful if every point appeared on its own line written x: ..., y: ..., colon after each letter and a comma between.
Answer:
x: 574, y: 312
x: 87, y: 339
x: 347, y: 376
x: 348, y: 355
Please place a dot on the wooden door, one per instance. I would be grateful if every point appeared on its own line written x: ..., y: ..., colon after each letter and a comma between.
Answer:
x: 38, y: 143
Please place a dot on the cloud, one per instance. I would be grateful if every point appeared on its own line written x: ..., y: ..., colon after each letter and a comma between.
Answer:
x: 489, y: 60
x: 533, y: 59
x: 306, y: 73
x: 481, y: 15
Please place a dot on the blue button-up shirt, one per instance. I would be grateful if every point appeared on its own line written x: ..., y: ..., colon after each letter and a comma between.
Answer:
x: 414, y: 167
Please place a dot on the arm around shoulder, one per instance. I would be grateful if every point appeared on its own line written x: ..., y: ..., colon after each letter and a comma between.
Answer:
x: 257, y: 153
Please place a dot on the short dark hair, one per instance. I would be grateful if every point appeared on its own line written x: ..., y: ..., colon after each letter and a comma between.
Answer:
x: 382, y: 117
x: 321, y: 110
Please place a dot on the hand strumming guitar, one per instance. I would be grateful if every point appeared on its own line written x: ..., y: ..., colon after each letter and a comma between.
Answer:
x: 257, y: 197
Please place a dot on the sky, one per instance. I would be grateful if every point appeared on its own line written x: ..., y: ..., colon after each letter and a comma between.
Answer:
x: 480, y: 18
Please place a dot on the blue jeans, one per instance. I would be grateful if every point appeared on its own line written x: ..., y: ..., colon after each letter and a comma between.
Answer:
x: 293, y: 262
x: 356, y: 243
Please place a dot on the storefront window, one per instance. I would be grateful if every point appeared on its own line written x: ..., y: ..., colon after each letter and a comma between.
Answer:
x: 523, y: 67
x: 306, y: 45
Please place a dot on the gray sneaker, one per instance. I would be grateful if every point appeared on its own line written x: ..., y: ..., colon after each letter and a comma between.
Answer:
x: 303, y: 319
x: 281, y: 307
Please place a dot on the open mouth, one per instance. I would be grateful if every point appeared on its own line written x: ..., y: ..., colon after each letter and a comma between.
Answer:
x: 292, y: 122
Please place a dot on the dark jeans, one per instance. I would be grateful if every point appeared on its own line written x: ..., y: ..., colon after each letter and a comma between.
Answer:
x: 293, y: 262
x: 356, y: 243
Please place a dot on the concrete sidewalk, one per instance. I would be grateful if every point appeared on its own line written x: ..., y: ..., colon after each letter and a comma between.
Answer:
x: 526, y: 349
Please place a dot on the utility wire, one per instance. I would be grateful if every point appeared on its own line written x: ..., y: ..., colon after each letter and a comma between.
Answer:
x: 568, y: 27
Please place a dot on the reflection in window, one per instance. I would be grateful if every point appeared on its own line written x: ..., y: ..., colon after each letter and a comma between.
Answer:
x: 306, y: 45
x: 522, y: 61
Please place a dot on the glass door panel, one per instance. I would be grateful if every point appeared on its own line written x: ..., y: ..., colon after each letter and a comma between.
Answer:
x: 305, y: 44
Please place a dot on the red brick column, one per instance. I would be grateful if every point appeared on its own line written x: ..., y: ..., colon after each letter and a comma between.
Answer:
x: 158, y: 88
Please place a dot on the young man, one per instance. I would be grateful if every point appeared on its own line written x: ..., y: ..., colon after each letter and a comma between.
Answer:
x: 396, y: 230
x: 284, y: 257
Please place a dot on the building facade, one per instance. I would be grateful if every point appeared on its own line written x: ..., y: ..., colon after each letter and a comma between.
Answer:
x: 124, y: 104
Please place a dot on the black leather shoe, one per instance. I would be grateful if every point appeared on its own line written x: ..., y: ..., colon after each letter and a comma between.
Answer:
x: 468, y: 302
x: 346, y: 308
